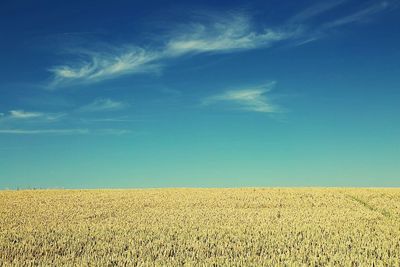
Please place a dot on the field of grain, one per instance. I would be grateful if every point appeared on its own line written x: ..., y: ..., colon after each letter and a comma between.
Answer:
x: 202, y: 227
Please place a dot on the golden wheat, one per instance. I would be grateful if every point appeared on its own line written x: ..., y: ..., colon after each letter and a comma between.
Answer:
x: 202, y: 227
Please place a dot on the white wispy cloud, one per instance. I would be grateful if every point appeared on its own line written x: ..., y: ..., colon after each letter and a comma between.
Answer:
x: 104, y: 104
x: 112, y: 131
x: 19, y: 114
x: 116, y: 119
x: 104, y: 64
x: 315, y: 10
x: 44, y: 131
x: 315, y: 32
x: 19, y: 122
x: 225, y: 34
x: 216, y: 34
x: 74, y: 131
x: 374, y: 8
x: 250, y: 99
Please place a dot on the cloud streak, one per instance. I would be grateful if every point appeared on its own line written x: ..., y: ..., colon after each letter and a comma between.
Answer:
x: 233, y: 32
x: 359, y: 15
x: 106, y: 64
x: 15, y: 121
x: 23, y: 122
x: 19, y: 114
x: 222, y: 33
x: 315, y: 10
x: 225, y: 34
x: 324, y: 28
x: 103, y: 104
x: 74, y: 131
x: 254, y: 99
x: 44, y: 131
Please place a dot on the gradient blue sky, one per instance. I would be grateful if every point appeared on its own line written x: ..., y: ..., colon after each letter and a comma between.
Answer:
x: 197, y: 93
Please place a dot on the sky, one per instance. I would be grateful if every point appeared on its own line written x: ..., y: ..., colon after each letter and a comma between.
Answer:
x: 124, y: 94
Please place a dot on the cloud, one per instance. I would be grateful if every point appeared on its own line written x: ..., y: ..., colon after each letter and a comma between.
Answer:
x: 77, y: 131
x: 250, y: 99
x: 15, y: 121
x: 103, y: 104
x: 44, y: 131
x: 227, y: 33
x: 321, y: 29
x: 217, y: 33
x: 105, y: 64
x: 315, y: 10
x: 112, y: 131
x: 19, y: 114
x: 116, y: 119
x: 359, y: 15
x: 320, y: 8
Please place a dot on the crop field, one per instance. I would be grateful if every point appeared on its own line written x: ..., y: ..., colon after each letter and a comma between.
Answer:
x: 201, y: 227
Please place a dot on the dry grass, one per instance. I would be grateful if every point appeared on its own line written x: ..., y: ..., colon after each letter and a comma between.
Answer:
x: 202, y: 227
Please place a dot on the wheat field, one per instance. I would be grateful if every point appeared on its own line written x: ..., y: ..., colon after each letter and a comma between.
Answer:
x: 201, y: 227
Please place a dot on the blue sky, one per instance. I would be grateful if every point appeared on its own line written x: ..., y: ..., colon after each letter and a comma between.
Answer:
x: 187, y: 93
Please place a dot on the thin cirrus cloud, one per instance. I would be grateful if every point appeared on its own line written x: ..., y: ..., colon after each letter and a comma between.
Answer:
x: 315, y: 10
x: 21, y: 118
x: 73, y: 131
x: 318, y: 9
x: 98, y: 105
x: 44, y: 131
x: 365, y: 12
x: 103, y: 104
x: 19, y: 114
x: 106, y: 64
x: 254, y: 99
x: 222, y: 33
x: 361, y: 14
x: 216, y: 35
